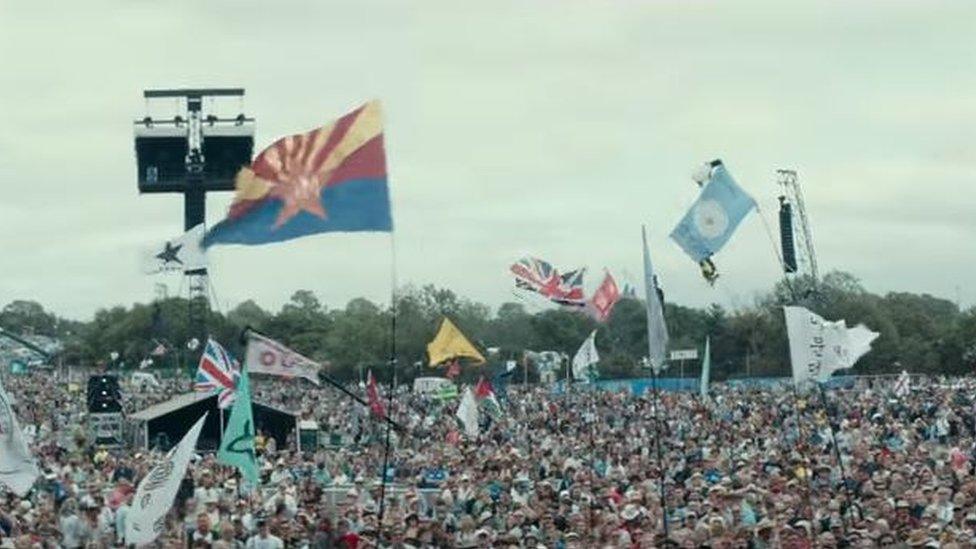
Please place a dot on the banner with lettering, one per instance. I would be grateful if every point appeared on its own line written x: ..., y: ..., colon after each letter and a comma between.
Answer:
x: 154, y: 497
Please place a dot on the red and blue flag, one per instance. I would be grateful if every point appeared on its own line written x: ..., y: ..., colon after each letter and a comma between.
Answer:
x: 218, y: 373
x: 331, y: 179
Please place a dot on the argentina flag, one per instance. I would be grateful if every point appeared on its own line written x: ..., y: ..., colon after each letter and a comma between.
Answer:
x: 713, y: 218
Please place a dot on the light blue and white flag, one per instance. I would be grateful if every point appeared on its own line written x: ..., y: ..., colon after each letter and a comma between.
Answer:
x: 657, y: 331
x: 712, y: 219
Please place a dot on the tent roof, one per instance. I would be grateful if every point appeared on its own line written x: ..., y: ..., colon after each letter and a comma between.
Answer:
x: 184, y: 400
x: 171, y: 405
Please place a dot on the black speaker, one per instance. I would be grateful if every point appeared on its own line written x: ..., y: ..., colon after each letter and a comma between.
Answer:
x: 104, y: 395
x: 786, y: 236
x: 226, y: 149
x: 161, y: 157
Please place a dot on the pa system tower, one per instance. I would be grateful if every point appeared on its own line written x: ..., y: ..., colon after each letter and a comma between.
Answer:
x: 192, y: 153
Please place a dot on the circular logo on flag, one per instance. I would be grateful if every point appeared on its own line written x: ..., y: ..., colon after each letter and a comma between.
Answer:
x: 711, y: 219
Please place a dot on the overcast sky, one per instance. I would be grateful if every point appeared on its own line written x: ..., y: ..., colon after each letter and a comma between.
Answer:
x: 551, y: 128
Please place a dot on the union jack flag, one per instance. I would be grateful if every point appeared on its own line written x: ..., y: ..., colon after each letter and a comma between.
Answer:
x: 540, y: 276
x: 218, y: 373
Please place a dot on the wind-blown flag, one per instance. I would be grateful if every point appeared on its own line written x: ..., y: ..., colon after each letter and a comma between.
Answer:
x: 237, y: 443
x: 17, y: 467
x: 485, y: 395
x: 467, y: 412
x: 569, y: 292
x: 155, y: 494
x: 585, y: 360
x: 159, y: 350
x: 217, y: 374
x: 450, y: 343
x: 657, y: 331
x: 903, y: 385
x: 330, y: 179
x: 266, y: 356
x: 818, y: 347
x: 712, y: 219
x: 538, y: 276
x: 373, y: 393
x: 604, y: 298
x: 706, y: 368
x: 183, y: 253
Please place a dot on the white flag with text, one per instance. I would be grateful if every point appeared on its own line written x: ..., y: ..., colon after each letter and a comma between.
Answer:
x: 819, y: 347
x: 155, y: 494
x: 266, y: 356
x: 585, y: 360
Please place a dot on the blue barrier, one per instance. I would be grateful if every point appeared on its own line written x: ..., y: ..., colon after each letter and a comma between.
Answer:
x: 639, y: 386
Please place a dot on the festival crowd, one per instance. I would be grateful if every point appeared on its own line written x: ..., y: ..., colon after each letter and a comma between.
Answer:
x: 743, y: 468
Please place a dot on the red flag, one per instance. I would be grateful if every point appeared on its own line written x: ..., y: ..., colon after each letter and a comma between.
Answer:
x: 453, y: 369
x: 604, y: 298
x: 160, y: 350
x: 375, y: 405
x: 483, y: 389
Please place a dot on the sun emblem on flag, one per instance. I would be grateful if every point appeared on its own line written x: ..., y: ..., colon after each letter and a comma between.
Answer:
x: 711, y: 219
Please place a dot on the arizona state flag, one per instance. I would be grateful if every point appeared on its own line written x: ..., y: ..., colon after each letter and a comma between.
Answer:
x: 331, y: 179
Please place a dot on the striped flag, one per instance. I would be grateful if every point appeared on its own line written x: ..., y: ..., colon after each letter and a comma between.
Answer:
x: 218, y: 373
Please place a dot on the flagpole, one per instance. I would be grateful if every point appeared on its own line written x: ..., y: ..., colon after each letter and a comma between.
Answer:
x: 333, y: 382
x: 393, y: 361
x: 799, y: 448
x: 840, y: 461
x: 660, y: 459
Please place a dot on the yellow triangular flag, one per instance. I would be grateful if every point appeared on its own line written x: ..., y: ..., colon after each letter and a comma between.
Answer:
x: 450, y: 343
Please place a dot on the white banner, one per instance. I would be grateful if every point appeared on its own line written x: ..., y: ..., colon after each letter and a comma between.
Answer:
x: 267, y: 356
x: 17, y: 468
x: 585, y: 358
x: 183, y: 253
x: 818, y: 347
x: 467, y: 412
x: 684, y: 354
x: 155, y: 495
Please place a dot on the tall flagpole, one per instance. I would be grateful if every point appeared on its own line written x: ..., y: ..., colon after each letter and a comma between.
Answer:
x: 660, y: 458
x: 840, y: 461
x: 656, y: 360
x: 393, y: 364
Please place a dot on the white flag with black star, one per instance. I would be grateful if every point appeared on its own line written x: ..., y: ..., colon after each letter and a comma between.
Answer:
x: 183, y: 253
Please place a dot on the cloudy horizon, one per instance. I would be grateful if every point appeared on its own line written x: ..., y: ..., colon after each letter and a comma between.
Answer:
x: 512, y: 128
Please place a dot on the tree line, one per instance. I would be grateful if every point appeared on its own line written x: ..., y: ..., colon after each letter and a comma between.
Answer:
x: 919, y: 332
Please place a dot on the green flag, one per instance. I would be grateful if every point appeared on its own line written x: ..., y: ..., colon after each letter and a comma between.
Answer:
x: 448, y: 391
x: 237, y: 445
x: 706, y: 366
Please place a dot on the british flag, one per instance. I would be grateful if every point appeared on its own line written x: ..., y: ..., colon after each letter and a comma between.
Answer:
x: 540, y: 276
x: 217, y: 373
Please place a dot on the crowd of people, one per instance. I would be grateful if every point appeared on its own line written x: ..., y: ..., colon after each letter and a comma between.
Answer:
x: 742, y: 468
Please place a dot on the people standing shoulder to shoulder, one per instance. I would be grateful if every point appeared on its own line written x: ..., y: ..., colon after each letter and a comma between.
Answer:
x: 264, y: 539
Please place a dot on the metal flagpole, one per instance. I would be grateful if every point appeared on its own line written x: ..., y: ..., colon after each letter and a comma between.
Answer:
x: 660, y: 459
x: 393, y: 364
x: 840, y: 461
